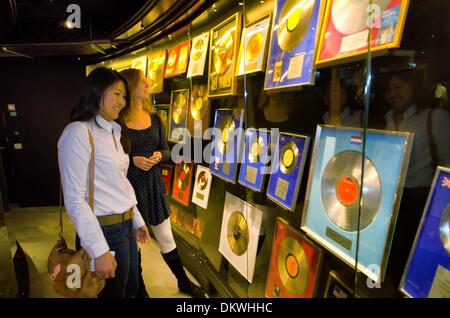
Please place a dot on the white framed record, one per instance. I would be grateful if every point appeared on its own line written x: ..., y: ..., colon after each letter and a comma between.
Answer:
x: 197, y: 60
x: 202, y: 186
x: 241, y: 223
x: 254, y: 45
x: 337, y: 188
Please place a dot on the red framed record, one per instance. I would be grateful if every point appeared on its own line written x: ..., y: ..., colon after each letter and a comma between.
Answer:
x: 348, y: 25
x: 182, y: 183
x: 294, y: 264
x: 166, y: 173
x: 177, y: 60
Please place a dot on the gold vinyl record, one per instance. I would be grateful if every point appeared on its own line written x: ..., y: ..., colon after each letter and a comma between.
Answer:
x: 197, y: 49
x: 163, y: 116
x: 202, y: 180
x: 226, y: 127
x: 293, y: 23
x: 183, y: 176
x: 293, y: 266
x: 237, y: 233
x: 255, y: 147
x: 199, y: 101
x: 350, y: 16
x: 179, y: 108
x: 444, y: 228
x: 254, y: 46
x: 223, y: 53
x: 289, y: 157
x: 341, y: 190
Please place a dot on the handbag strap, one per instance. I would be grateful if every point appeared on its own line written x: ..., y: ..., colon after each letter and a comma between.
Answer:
x: 91, y: 187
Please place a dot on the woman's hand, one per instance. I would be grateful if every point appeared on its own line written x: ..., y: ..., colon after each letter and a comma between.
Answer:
x: 105, y: 266
x: 156, y: 157
x: 142, y: 235
x: 143, y: 163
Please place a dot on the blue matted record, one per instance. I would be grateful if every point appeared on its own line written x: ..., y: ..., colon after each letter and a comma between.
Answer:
x: 227, y: 141
x: 292, y: 46
x: 332, y: 200
x: 287, y: 169
x: 254, y: 159
x: 428, y: 267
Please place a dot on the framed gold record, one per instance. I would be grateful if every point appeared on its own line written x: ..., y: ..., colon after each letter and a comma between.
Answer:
x: 241, y: 223
x: 254, y: 46
x: 178, y: 115
x: 155, y: 70
x: 199, y: 110
x: 295, y: 264
x: 223, y: 52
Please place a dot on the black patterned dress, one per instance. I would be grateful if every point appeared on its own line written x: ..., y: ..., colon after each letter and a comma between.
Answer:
x: 148, y: 185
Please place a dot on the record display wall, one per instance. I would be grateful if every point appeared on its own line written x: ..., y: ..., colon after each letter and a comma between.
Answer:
x: 196, y: 74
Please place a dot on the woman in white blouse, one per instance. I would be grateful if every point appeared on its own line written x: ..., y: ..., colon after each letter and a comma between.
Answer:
x: 109, y: 231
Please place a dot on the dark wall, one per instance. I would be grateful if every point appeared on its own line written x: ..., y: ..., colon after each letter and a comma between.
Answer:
x: 43, y: 91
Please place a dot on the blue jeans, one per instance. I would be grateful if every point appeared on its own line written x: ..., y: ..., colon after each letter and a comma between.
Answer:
x: 122, y: 240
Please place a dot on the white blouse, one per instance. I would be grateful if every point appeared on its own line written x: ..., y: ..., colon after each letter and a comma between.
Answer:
x: 420, y: 170
x: 113, y: 192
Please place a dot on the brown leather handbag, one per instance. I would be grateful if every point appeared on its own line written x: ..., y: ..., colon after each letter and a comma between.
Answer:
x: 70, y: 270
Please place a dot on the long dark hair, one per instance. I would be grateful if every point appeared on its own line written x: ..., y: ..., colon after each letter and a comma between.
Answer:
x: 95, y: 86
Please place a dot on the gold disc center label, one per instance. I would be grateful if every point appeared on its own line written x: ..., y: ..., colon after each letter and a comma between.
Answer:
x: 294, y: 19
x: 255, y: 149
x: 288, y: 157
x: 199, y: 103
x: 291, y: 266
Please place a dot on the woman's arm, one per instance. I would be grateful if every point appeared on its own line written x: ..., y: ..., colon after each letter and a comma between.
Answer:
x: 74, y: 153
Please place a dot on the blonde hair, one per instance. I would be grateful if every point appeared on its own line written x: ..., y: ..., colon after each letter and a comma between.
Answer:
x: 133, y: 77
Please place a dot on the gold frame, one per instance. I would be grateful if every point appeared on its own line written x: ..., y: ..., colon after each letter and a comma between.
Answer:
x: 236, y: 17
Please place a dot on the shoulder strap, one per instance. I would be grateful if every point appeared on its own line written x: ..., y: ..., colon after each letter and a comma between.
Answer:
x: 91, y: 172
x: 433, y: 151
x: 91, y: 187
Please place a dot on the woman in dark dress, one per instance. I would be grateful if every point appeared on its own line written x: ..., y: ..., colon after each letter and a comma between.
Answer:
x: 148, y: 147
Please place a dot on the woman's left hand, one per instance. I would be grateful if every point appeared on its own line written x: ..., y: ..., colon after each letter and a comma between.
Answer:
x: 142, y: 235
x: 156, y: 157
